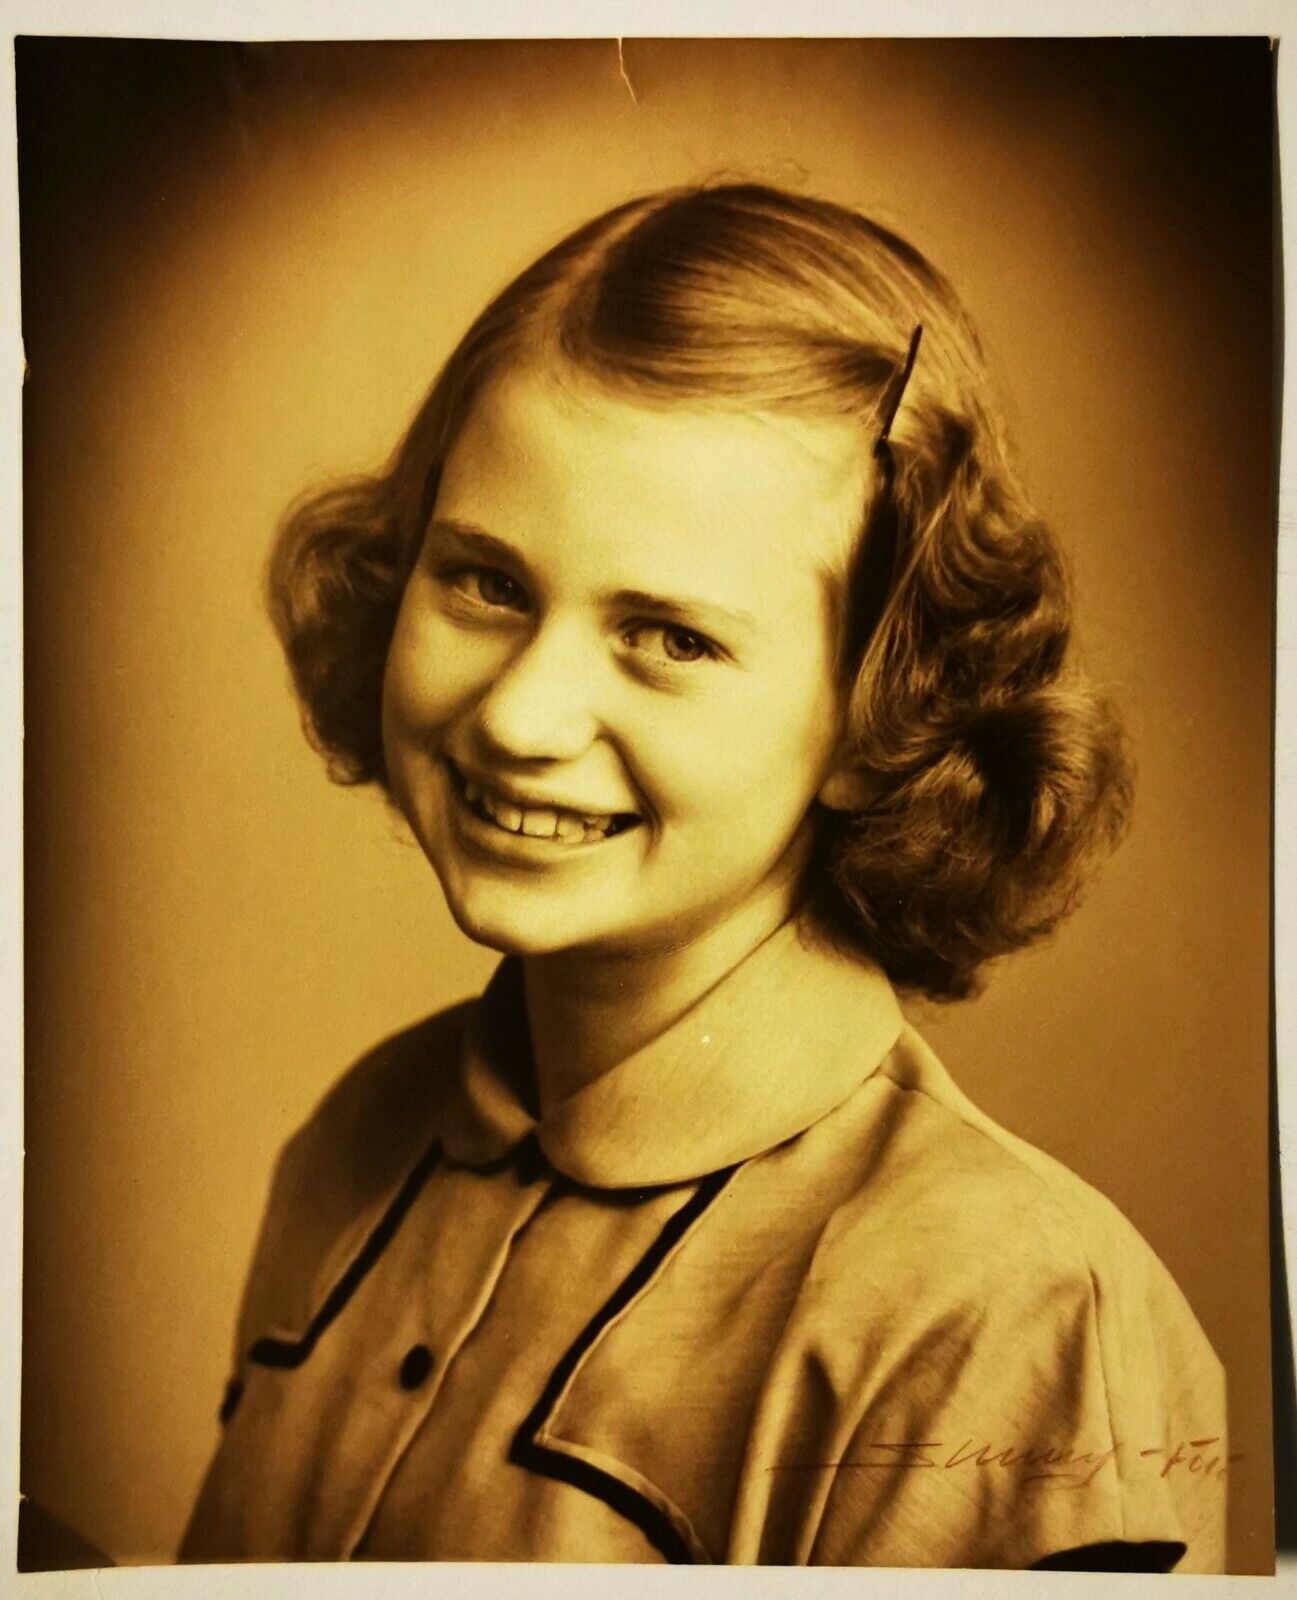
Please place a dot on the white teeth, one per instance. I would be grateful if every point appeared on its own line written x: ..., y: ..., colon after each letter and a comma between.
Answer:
x: 539, y: 824
x: 506, y: 815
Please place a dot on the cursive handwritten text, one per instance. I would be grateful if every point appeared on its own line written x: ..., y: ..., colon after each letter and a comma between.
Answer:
x: 1044, y: 1465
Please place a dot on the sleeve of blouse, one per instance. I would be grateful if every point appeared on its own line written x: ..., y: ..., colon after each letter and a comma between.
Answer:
x: 1058, y: 1422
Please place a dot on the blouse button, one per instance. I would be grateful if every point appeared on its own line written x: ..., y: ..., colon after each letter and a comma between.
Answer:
x: 416, y: 1366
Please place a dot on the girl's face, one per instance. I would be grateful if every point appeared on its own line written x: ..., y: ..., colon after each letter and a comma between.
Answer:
x: 610, y: 700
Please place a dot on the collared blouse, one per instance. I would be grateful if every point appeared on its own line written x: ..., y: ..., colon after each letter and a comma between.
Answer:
x: 770, y: 1290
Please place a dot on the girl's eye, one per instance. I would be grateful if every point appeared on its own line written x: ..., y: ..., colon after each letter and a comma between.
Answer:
x: 489, y: 587
x: 680, y: 646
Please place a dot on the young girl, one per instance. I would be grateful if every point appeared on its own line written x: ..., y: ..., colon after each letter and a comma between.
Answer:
x: 702, y: 635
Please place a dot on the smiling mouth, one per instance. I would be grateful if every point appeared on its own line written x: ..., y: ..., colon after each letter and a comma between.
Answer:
x: 538, y: 822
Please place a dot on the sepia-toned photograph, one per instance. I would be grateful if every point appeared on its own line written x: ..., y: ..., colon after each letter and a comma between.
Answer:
x: 649, y: 693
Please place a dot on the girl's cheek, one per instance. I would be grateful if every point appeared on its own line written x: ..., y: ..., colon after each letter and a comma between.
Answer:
x: 437, y: 671
x: 414, y: 681
x: 402, y: 677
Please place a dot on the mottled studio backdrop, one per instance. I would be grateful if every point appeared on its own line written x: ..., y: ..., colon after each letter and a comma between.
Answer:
x: 241, y: 265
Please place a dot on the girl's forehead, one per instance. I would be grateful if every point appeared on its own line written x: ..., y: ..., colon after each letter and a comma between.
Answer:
x: 542, y: 454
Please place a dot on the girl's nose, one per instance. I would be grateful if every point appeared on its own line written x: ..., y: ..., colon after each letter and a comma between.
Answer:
x: 540, y: 707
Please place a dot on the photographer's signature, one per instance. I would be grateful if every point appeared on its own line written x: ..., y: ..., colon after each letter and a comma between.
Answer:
x: 1039, y: 1464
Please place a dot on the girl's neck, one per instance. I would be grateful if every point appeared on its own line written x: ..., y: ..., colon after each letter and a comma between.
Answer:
x: 588, y: 1012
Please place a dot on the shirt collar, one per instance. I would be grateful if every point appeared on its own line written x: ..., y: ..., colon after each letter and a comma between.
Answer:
x: 785, y: 1038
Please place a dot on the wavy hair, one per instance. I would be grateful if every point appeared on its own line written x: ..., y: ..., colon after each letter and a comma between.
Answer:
x: 987, y: 776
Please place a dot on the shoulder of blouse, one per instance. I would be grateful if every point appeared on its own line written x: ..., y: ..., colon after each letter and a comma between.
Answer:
x: 970, y: 1287
x: 952, y: 1213
x: 353, y: 1149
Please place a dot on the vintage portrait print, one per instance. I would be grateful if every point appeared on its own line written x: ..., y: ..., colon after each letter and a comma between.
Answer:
x: 648, y: 726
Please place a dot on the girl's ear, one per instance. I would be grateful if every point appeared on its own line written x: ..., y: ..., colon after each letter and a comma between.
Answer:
x: 844, y: 790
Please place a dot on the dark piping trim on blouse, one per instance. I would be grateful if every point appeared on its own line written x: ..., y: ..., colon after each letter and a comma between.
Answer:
x: 526, y: 1450
x: 529, y: 1452
x: 293, y: 1352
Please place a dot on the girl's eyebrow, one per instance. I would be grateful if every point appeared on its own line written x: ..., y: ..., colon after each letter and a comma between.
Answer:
x: 686, y: 611
x: 475, y: 538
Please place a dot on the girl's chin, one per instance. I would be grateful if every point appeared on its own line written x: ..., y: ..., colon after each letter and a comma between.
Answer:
x: 531, y: 907
x: 513, y: 934
x: 512, y: 931
x: 584, y: 940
